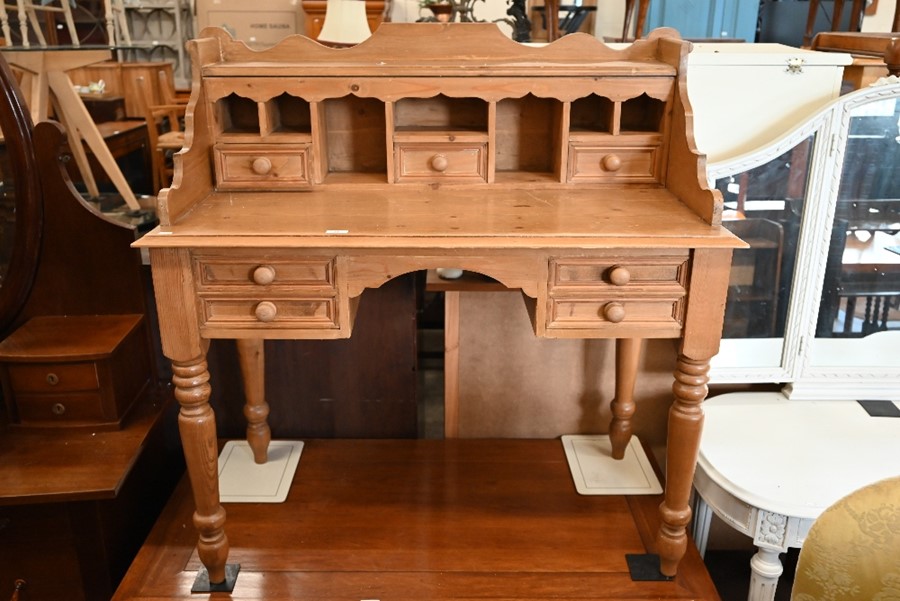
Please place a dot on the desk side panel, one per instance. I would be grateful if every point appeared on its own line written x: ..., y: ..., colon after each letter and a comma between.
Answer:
x: 193, y: 177
x: 686, y: 172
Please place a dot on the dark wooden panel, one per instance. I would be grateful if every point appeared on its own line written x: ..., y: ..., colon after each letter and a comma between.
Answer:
x: 361, y: 387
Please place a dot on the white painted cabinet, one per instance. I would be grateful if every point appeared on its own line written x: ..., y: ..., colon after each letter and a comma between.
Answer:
x: 745, y: 96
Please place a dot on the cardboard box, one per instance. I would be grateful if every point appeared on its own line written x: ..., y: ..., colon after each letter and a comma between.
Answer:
x: 260, y: 24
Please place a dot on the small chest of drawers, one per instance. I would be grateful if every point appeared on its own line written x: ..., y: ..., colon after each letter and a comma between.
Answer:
x: 83, y: 370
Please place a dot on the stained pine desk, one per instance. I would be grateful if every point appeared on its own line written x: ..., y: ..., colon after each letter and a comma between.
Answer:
x: 310, y: 174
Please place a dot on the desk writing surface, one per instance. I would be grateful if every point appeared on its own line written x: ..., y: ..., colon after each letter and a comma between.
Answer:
x: 507, y: 218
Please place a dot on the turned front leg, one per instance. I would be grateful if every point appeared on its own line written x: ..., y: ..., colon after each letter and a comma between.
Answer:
x: 628, y: 354
x: 685, y: 426
x: 197, y: 425
x: 252, y: 359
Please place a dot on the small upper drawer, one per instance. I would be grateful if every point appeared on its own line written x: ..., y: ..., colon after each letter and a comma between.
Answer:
x: 434, y: 160
x: 272, y: 271
x: 618, y: 163
x: 247, y: 166
x: 53, y: 377
x: 619, y: 272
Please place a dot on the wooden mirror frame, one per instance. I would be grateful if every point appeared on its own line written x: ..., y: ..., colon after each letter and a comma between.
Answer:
x: 15, y: 121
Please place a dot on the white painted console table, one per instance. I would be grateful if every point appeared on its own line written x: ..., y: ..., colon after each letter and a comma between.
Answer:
x: 769, y: 466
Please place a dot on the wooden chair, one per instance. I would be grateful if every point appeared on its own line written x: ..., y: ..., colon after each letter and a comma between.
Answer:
x: 164, y: 132
x: 27, y: 11
x: 167, y: 93
x: 116, y: 23
x: 856, y: 11
x: 555, y: 31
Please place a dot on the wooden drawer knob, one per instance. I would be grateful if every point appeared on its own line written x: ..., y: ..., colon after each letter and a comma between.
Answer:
x: 52, y: 379
x: 261, y: 166
x: 266, y: 311
x: 614, y: 312
x: 439, y: 162
x: 611, y: 162
x: 264, y: 275
x: 619, y: 276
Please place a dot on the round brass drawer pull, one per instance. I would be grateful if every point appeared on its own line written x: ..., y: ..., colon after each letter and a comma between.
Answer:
x: 619, y: 276
x: 261, y: 166
x: 52, y: 379
x: 58, y: 409
x: 266, y: 311
x: 614, y: 312
x: 439, y: 162
x: 611, y: 162
x: 264, y: 275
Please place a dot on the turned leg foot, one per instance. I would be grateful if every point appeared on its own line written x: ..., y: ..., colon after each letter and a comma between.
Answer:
x: 256, y: 410
x: 685, y: 424
x: 197, y: 425
x: 628, y: 354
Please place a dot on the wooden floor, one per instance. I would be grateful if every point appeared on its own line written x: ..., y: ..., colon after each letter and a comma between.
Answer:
x: 422, y: 519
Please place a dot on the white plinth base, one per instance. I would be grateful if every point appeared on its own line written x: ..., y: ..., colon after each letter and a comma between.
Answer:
x: 595, y: 472
x: 241, y: 480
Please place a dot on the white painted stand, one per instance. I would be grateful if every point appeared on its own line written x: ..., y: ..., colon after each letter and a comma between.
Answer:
x: 769, y: 466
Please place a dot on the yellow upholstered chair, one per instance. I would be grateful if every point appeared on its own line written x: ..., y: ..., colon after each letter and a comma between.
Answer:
x: 852, y: 552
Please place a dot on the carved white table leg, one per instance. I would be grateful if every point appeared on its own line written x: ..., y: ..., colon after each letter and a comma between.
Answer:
x: 765, y: 570
x: 702, y: 519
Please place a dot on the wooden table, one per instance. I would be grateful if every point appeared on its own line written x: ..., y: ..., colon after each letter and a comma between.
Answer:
x: 125, y: 140
x: 46, y: 80
x: 769, y: 466
x: 317, y: 195
x: 441, y: 520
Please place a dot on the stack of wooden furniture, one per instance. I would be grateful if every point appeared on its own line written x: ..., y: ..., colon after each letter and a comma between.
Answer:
x: 311, y: 174
x: 84, y: 457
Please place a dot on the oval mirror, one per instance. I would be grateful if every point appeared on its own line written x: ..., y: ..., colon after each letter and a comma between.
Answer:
x: 21, y: 213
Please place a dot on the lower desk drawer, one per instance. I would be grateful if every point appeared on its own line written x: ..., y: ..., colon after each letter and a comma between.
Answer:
x: 442, y: 161
x: 273, y: 313
x: 244, y: 167
x: 578, y: 313
x: 53, y: 377
x: 620, y: 164
x: 62, y: 409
